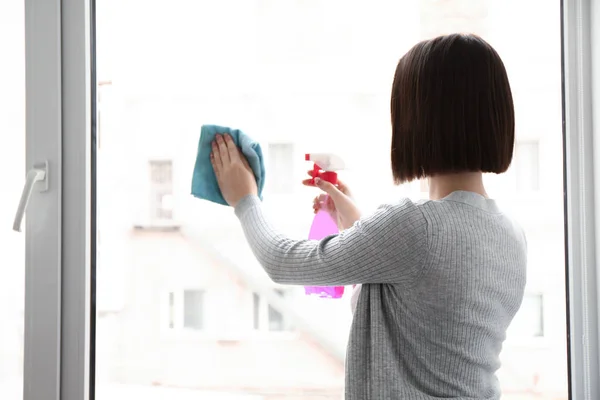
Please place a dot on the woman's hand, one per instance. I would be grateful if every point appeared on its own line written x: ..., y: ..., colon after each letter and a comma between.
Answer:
x: 234, y: 175
x: 337, y: 202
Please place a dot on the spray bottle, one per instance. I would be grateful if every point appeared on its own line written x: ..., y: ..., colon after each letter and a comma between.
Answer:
x: 323, y: 225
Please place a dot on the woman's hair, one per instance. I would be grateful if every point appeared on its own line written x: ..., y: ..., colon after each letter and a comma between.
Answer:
x: 452, y: 110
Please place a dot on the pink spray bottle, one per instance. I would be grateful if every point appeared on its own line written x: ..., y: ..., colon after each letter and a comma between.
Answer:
x: 325, y: 167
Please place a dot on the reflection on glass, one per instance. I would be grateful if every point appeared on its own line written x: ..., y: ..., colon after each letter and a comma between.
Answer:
x: 184, y: 311
x: 12, y: 176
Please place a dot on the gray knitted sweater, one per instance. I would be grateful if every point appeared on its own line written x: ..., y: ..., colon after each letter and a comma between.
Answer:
x: 441, y: 282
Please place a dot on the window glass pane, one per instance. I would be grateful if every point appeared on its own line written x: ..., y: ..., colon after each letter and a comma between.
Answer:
x: 276, y: 321
x: 193, y: 306
x: 171, y: 310
x: 12, y: 176
x: 256, y: 310
x: 299, y: 77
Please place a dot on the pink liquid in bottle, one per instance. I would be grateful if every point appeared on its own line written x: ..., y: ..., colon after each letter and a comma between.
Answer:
x: 323, y: 225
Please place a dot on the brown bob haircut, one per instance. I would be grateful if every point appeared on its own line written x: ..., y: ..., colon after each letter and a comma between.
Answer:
x: 452, y: 110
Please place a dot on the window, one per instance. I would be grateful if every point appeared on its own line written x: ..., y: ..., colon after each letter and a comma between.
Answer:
x: 300, y: 97
x: 193, y: 309
x: 256, y: 311
x: 527, y: 166
x: 266, y: 317
x: 529, y: 321
x: 281, y: 168
x: 308, y: 76
x: 185, y: 309
x: 161, y: 190
x: 171, y: 310
x: 276, y: 321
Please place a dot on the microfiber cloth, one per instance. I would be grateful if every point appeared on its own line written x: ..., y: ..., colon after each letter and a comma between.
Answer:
x: 204, y: 181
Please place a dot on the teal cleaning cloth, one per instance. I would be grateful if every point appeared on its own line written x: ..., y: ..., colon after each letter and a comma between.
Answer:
x: 204, y: 181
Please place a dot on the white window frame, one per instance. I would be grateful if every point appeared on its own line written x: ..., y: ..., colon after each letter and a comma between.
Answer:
x: 76, y: 49
x: 57, y: 263
x: 59, y: 222
x: 43, y: 225
x: 580, y: 20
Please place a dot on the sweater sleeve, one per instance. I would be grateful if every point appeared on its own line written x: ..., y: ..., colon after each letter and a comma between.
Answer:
x: 387, y: 247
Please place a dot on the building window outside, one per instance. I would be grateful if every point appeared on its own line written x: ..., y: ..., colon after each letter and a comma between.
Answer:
x: 256, y: 311
x: 529, y: 321
x: 171, y: 310
x: 161, y: 190
x: 276, y: 320
x: 266, y: 317
x: 193, y: 309
x: 281, y: 172
x: 186, y: 310
x: 527, y: 166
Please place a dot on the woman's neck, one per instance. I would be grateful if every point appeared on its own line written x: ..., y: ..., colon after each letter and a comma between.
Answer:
x: 442, y: 185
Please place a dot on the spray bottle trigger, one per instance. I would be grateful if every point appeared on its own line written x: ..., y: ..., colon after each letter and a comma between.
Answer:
x: 328, y: 176
x: 315, y: 173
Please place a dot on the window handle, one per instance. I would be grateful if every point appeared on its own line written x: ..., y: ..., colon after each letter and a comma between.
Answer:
x: 39, y: 173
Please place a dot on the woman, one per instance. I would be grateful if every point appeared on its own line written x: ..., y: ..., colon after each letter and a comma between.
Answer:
x: 440, y: 279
